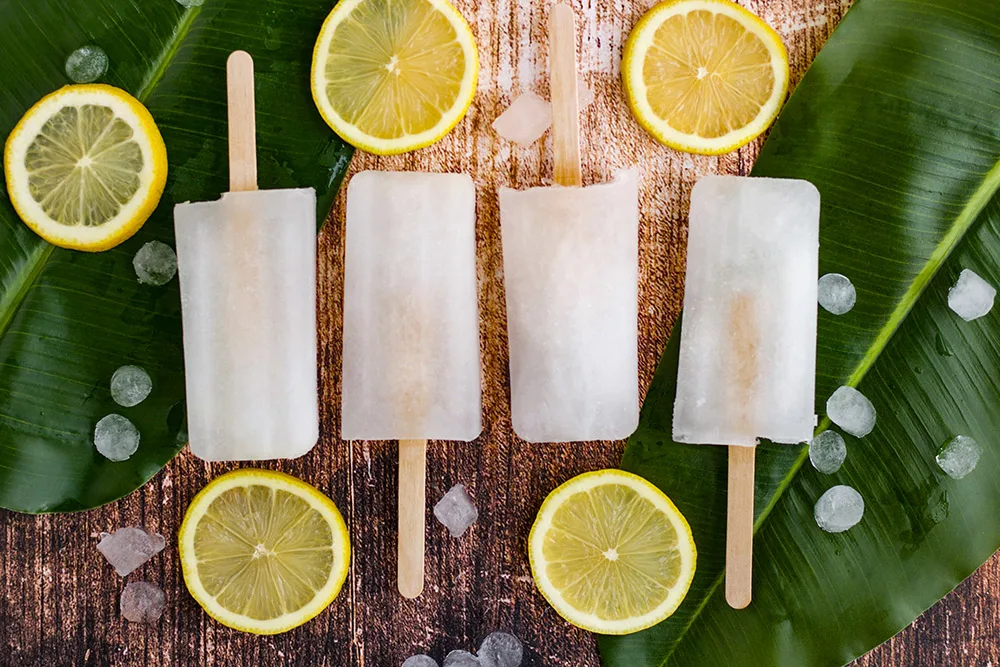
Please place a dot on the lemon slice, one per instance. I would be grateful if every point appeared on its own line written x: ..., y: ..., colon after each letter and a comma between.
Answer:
x: 263, y: 552
x: 704, y: 76
x: 85, y: 167
x: 611, y: 553
x: 391, y: 76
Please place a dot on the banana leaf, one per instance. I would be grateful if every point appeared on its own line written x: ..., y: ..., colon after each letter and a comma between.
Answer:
x: 898, y: 125
x: 69, y: 319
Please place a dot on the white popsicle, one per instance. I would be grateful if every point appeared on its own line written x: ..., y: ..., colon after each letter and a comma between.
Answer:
x: 748, y: 342
x: 571, y: 274
x: 247, y: 267
x: 411, y: 318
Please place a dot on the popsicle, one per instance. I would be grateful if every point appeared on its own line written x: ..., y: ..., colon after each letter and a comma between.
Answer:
x: 247, y: 267
x: 571, y: 271
x: 747, y: 365
x: 411, y: 368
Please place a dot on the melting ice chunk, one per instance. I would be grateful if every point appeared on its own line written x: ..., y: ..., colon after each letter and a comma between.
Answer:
x: 142, y: 602
x: 529, y: 116
x: 128, y: 548
x: 461, y: 659
x: 130, y: 385
x: 849, y: 409
x: 456, y: 511
x: 836, y: 293
x: 190, y: 3
x: 971, y: 297
x: 827, y: 452
x: 525, y: 120
x: 116, y: 437
x: 155, y: 264
x: 959, y: 457
x: 840, y: 508
x: 420, y: 661
x: 500, y: 649
x: 86, y: 64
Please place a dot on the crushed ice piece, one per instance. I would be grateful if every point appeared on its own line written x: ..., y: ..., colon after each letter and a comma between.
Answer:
x: 461, y: 659
x: 116, y: 437
x: 143, y: 602
x: 836, y: 293
x: 959, y: 456
x: 128, y: 548
x: 155, y: 264
x: 827, y: 452
x: 87, y: 64
x: 130, y: 385
x: 971, y: 297
x: 500, y: 649
x: 849, y: 409
x: 456, y: 510
x: 420, y: 661
x: 190, y: 3
x: 840, y: 508
x: 529, y: 116
x: 525, y: 120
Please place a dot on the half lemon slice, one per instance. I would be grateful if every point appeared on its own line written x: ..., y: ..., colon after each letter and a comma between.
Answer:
x: 263, y: 552
x: 704, y: 76
x: 85, y: 167
x: 611, y: 553
x: 391, y: 76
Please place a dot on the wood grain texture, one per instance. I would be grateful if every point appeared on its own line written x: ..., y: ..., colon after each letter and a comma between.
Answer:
x: 60, y: 599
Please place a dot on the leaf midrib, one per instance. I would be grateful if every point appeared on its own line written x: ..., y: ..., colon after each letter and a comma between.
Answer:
x: 977, y: 203
x: 12, y: 300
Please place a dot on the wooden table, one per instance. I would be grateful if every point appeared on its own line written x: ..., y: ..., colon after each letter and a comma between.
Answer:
x: 60, y: 600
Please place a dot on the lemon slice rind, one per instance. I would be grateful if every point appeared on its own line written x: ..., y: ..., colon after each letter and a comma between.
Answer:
x: 647, y: 491
x: 408, y: 142
x: 277, y: 481
x: 633, y: 61
x: 135, y: 212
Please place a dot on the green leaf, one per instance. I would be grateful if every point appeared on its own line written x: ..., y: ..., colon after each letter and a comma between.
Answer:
x: 898, y: 125
x: 69, y: 319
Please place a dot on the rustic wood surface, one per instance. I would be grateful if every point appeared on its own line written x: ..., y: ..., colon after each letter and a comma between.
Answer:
x: 60, y: 599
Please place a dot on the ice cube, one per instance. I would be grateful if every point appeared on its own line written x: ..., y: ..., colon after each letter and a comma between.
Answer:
x: 130, y: 385
x: 86, y: 64
x: 461, y: 659
x: 116, y: 437
x: 456, y: 511
x: 155, y: 264
x: 827, y: 452
x: 960, y: 456
x: 529, y: 116
x: 420, y: 661
x: 849, y: 409
x: 190, y: 3
x: 840, y: 508
x: 971, y: 297
x: 836, y: 293
x: 525, y: 120
x: 500, y: 649
x: 142, y: 602
x: 128, y: 548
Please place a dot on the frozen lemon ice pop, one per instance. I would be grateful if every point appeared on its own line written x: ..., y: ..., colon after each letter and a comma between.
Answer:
x: 247, y: 267
x: 748, y: 339
x: 571, y: 272
x: 411, y: 329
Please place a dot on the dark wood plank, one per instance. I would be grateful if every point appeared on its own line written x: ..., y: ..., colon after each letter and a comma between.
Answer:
x: 59, y: 601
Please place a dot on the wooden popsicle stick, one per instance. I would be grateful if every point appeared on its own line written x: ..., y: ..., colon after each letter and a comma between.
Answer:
x: 739, y: 526
x: 563, y: 83
x: 744, y: 336
x: 242, y: 122
x: 410, y: 508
